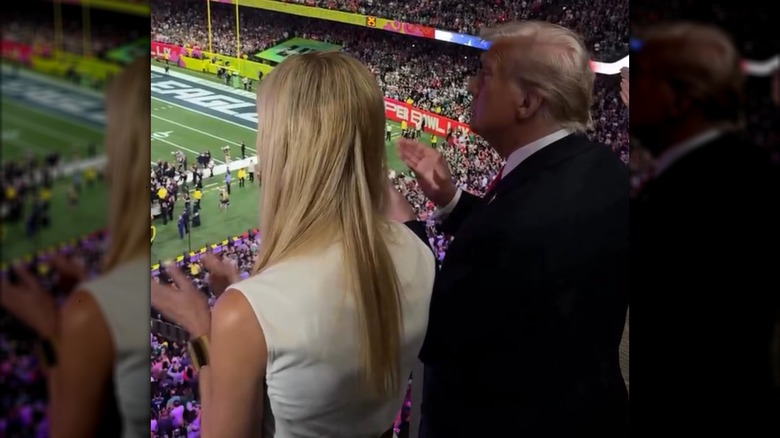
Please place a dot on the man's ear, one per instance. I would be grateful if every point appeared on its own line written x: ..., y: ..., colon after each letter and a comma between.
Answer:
x: 527, y: 103
x: 680, y: 103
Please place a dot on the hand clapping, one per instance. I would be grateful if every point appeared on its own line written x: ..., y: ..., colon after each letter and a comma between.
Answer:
x: 624, y: 85
x: 433, y: 174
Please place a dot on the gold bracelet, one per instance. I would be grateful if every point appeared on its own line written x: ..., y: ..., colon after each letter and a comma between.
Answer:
x: 199, y: 351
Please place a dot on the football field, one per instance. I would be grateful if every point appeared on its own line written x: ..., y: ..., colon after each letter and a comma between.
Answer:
x: 40, y: 116
x: 192, y: 125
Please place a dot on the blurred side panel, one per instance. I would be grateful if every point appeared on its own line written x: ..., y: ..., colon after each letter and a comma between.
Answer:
x: 65, y: 124
x: 705, y: 128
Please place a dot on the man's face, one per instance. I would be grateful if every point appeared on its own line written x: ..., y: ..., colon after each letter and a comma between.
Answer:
x: 492, y: 106
x: 655, y: 95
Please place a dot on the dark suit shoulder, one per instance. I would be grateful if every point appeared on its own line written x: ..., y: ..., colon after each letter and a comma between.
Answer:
x: 729, y: 152
x: 727, y: 168
x: 583, y: 182
x: 593, y: 174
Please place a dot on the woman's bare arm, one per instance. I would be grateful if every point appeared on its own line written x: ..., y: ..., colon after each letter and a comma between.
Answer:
x: 85, y: 359
x: 230, y: 386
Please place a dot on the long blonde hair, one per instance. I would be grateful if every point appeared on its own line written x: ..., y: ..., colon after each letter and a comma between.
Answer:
x: 322, y: 159
x: 128, y: 137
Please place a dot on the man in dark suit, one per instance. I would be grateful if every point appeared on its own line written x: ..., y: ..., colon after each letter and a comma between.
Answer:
x: 529, y: 306
x: 704, y: 241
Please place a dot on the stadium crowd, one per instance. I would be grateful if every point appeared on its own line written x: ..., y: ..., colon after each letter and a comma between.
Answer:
x: 603, y: 24
x: 175, y: 410
x: 22, y: 388
x: 31, y: 25
x: 431, y: 74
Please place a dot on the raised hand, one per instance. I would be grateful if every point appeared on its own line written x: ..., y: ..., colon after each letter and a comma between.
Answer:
x: 71, y: 273
x: 624, y: 85
x: 185, y: 305
x: 397, y: 207
x: 222, y: 273
x: 30, y: 303
x: 433, y: 174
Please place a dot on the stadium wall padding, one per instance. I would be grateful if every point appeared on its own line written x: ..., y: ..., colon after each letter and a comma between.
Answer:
x: 58, y: 63
x: 181, y: 56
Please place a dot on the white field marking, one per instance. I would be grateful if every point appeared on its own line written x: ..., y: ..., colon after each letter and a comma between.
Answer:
x: 199, y: 131
x: 186, y: 149
x: 204, y: 114
x: 48, y: 132
x: 52, y: 114
x: 19, y: 144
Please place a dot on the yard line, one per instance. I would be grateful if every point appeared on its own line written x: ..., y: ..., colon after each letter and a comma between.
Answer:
x: 199, y: 131
x: 44, y: 130
x: 186, y: 149
x: 23, y: 146
x: 56, y: 115
x: 204, y: 114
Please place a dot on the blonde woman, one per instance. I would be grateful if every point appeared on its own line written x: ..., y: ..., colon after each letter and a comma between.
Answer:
x: 96, y: 344
x: 320, y: 341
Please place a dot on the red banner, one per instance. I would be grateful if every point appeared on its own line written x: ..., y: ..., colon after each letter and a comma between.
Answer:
x: 167, y: 51
x: 15, y: 51
x: 435, y: 124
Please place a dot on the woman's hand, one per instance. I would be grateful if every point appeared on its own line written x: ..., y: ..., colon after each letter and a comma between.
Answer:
x: 71, y: 272
x: 185, y: 305
x: 624, y: 85
x: 397, y: 207
x: 30, y: 303
x: 222, y: 273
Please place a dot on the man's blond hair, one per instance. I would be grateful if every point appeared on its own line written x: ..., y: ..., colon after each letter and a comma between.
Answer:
x: 702, y: 62
x: 552, y: 61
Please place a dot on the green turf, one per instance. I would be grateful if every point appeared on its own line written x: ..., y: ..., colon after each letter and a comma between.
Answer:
x: 66, y: 222
x: 178, y: 128
x: 217, y: 224
x: 29, y: 130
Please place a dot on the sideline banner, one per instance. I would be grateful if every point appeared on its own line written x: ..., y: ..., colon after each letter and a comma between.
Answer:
x: 396, y: 26
x: 16, y: 51
x: 59, y: 63
x: 195, y: 59
x: 48, y: 61
x: 435, y: 124
x: 215, y: 248
x: 295, y: 46
x: 129, y: 52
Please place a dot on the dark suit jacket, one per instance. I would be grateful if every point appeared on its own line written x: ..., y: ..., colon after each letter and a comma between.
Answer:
x: 704, y: 274
x: 528, y: 309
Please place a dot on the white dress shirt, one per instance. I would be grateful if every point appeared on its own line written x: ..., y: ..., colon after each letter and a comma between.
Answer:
x: 515, y: 158
x: 673, y: 154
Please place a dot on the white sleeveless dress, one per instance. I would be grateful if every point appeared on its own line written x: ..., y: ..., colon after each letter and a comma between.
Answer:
x: 309, y: 321
x: 122, y: 296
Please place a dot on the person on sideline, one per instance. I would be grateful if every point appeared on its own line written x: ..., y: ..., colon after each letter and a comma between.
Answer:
x: 704, y: 231
x: 98, y: 360
x: 321, y: 339
x: 529, y: 306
